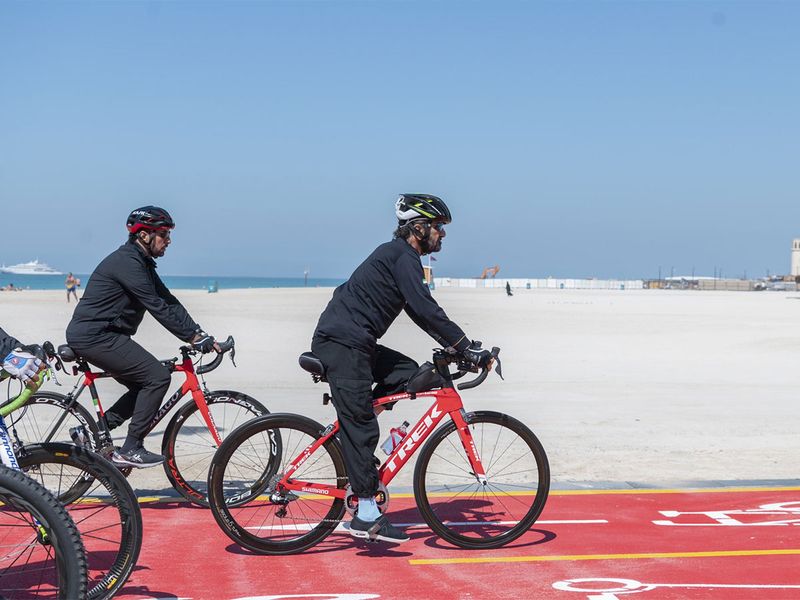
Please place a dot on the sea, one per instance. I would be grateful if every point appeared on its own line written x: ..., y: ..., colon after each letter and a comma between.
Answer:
x: 174, y: 282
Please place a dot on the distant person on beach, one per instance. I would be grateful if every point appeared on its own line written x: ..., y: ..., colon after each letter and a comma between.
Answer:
x: 508, y: 289
x: 72, y: 284
x: 11, y: 288
x: 389, y: 281
x: 18, y: 360
x: 122, y: 287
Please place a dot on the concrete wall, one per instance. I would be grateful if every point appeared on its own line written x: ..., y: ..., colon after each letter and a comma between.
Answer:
x: 730, y: 285
x: 550, y: 283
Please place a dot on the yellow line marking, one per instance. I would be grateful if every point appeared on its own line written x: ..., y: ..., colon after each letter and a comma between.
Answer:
x: 629, y: 491
x: 553, y: 493
x: 676, y: 491
x: 577, y: 557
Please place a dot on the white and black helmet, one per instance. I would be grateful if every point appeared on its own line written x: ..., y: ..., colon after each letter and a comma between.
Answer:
x: 411, y: 207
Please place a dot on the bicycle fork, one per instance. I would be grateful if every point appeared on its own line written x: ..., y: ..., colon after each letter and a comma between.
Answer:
x: 465, y: 435
x: 200, y: 400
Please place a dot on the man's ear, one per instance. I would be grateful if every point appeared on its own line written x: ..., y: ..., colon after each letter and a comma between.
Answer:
x: 144, y: 236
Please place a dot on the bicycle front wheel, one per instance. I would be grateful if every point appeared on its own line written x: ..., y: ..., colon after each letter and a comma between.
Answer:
x: 41, y: 554
x: 107, y: 513
x: 277, y: 521
x: 49, y: 415
x: 189, y: 446
x: 480, y: 515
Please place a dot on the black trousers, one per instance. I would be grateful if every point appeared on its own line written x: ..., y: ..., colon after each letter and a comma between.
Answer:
x: 350, y: 374
x: 134, y: 367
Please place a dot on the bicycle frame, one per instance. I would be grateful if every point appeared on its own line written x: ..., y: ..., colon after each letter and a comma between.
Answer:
x: 447, y: 403
x: 8, y: 455
x: 191, y: 385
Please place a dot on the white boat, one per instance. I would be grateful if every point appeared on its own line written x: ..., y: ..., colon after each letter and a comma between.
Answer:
x: 30, y: 268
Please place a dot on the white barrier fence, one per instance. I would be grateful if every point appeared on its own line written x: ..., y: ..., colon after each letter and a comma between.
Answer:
x: 549, y: 283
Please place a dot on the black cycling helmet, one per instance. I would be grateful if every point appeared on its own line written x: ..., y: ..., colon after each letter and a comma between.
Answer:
x: 149, y: 218
x: 410, y: 207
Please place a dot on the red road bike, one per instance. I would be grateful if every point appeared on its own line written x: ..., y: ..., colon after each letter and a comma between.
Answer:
x: 190, y: 439
x: 481, y: 479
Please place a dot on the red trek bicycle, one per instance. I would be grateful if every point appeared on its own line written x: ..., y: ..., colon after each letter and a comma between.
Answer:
x: 481, y: 479
x: 190, y: 439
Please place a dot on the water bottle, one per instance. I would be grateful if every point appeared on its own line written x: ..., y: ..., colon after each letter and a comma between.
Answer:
x: 396, y: 435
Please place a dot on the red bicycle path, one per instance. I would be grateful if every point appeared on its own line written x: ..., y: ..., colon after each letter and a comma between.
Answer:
x: 740, y: 543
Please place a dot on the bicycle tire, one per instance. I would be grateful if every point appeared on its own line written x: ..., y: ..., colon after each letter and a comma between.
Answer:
x: 294, y: 433
x: 188, y: 458
x: 108, y: 517
x: 58, y: 539
x: 449, y: 499
x: 32, y: 422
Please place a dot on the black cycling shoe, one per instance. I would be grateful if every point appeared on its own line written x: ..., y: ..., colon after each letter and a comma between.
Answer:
x: 377, y: 531
x: 136, y: 457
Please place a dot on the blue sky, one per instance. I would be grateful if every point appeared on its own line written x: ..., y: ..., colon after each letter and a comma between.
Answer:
x: 569, y: 138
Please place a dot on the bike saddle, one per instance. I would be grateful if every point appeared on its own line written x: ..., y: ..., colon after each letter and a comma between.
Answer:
x: 313, y: 365
x: 66, y: 353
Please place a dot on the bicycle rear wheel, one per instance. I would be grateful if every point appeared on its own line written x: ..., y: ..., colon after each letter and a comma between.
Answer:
x: 41, y: 554
x: 278, y: 521
x: 189, y: 447
x: 107, y: 513
x: 464, y: 511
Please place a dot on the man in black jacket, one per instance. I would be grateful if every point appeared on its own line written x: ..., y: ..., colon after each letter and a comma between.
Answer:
x: 389, y: 281
x: 122, y: 287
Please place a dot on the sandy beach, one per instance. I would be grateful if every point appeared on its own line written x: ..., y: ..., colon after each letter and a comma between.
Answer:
x: 646, y: 387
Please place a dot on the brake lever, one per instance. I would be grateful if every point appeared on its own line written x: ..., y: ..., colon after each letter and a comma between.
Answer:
x: 233, y: 354
x: 498, y: 368
x: 496, y: 357
x: 55, y: 360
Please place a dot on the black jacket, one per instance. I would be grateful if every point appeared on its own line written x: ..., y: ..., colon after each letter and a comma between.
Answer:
x: 7, y: 344
x: 387, y: 282
x: 122, y: 287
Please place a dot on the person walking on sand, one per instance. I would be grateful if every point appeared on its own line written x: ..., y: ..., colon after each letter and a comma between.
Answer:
x: 508, y: 289
x: 72, y: 283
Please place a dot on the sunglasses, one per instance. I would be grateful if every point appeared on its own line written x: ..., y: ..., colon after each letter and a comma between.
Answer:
x: 162, y: 233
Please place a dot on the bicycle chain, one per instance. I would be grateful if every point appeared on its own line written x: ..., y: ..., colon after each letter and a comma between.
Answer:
x: 278, y: 476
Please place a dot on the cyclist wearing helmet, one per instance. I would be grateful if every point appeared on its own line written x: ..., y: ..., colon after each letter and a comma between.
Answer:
x: 122, y: 287
x: 20, y: 361
x: 389, y: 281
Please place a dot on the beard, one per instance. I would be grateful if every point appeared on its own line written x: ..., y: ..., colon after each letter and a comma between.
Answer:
x: 428, y: 248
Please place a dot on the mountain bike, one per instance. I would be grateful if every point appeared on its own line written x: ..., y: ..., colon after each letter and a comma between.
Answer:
x: 192, y: 436
x: 41, y: 554
x: 481, y: 479
x: 97, y: 496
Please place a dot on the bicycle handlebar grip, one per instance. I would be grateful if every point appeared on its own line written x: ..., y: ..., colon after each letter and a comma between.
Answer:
x: 224, y: 347
x: 25, y: 395
x: 480, y: 378
x: 475, y: 382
